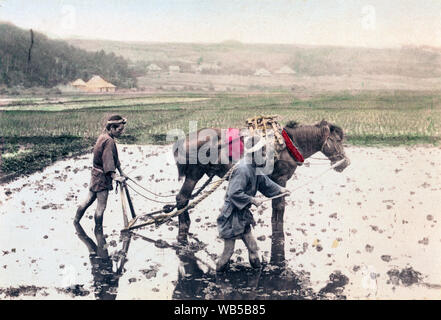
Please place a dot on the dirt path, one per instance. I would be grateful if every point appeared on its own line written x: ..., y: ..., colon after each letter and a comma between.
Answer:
x: 372, y: 231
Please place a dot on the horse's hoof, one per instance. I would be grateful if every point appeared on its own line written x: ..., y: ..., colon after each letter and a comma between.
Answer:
x: 222, y: 268
x: 255, y: 263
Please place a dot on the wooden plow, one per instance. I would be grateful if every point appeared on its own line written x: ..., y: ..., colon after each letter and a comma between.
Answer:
x: 161, y: 216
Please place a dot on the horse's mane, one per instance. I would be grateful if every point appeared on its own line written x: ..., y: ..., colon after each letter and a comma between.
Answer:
x: 292, y: 124
x: 302, y: 131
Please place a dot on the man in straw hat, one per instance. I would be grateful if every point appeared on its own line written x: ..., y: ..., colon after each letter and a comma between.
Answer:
x: 105, y: 164
x: 236, y: 219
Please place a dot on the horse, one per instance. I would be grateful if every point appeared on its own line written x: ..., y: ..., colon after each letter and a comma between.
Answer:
x: 310, y: 139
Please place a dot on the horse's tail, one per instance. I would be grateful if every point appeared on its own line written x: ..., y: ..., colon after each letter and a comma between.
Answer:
x: 179, y: 154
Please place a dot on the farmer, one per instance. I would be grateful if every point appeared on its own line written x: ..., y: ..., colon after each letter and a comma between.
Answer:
x: 235, y: 219
x: 105, y: 164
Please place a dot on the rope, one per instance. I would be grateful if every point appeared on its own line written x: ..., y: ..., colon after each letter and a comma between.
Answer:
x: 155, y: 194
x: 139, y: 193
x: 160, y: 219
x: 278, y: 196
x: 206, y: 183
x: 311, y: 180
x: 314, y: 158
x: 319, y: 175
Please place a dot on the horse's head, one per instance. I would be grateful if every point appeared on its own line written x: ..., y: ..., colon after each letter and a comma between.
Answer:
x: 333, y: 145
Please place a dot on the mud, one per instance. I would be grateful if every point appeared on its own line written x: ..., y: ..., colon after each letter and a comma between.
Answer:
x: 405, y: 277
x: 370, y: 232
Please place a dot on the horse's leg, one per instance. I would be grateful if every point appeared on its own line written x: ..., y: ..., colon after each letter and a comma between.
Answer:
x: 278, y: 235
x: 182, y: 199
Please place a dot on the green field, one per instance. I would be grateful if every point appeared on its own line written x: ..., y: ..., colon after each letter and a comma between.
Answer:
x: 37, y: 131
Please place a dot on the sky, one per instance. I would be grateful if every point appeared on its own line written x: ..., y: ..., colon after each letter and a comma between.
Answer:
x: 364, y: 23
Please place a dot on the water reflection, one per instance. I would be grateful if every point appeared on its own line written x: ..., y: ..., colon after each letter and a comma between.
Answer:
x: 240, y: 282
x: 105, y: 279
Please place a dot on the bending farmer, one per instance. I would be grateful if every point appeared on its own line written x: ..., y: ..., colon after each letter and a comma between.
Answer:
x: 236, y: 219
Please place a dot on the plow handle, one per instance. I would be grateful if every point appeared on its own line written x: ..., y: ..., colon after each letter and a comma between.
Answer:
x: 129, y: 200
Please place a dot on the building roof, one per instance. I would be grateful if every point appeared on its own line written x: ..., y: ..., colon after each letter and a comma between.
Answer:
x: 98, y: 82
x: 79, y: 82
x: 154, y: 67
x: 262, y: 72
x: 285, y: 70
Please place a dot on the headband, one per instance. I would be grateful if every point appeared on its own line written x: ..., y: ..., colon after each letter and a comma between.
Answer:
x: 123, y: 120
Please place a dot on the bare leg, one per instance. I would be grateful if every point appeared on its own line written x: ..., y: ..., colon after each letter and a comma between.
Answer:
x: 226, y: 254
x: 251, y: 245
x: 84, y: 205
x: 99, y: 212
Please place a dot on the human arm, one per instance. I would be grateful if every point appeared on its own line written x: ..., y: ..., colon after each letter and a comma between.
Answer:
x: 237, y: 187
x: 110, y: 166
x: 269, y: 188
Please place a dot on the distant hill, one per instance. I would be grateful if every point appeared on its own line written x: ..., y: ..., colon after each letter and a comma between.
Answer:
x: 53, y: 62
x: 239, y: 58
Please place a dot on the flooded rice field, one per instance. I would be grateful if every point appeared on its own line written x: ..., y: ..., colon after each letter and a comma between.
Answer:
x: 370, y: 232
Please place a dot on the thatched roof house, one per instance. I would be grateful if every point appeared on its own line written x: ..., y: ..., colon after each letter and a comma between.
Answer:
x: 173, y: 69
x: 262, y: 72
x: 153, y: 68
x: 206, y: 67
x: 98, y: 84
x: 79, y: 83
x: 285, y: 70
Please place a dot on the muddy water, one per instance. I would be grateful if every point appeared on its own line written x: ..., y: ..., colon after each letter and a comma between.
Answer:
x: 369, y: 232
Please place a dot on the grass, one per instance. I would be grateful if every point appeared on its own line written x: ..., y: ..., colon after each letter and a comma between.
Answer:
x: 34, y: 133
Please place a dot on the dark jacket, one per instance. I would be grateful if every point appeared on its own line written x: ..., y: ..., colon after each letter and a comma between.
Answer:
x: 235, y: 218
x: 105, y: 161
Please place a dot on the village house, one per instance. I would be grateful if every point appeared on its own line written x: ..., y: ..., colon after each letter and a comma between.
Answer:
x: 98, y: 84
x: 206, y: 67
x: 153, y: 68
x: 262, y: 72
x: 174, y: 69
x: 95, y: 84
x: 79, y: 84
x: 285, y: 70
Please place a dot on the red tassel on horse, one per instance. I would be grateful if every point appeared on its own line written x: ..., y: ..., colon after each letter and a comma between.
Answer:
x: 292, y: 149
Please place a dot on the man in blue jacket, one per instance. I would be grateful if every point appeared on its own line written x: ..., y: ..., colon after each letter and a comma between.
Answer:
x: 236, y: 219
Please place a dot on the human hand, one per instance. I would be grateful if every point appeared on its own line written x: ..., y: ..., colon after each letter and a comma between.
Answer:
x: 285, y: 190
x: 120, y: 179
x: 256, y: 202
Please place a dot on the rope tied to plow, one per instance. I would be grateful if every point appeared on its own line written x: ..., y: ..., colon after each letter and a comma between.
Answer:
x: 162, y: 218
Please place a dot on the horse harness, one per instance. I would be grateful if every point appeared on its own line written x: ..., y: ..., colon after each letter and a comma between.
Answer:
x: 335, y: 157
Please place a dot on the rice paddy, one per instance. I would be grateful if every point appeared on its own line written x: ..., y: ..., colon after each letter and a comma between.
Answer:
x: 36, y: 131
